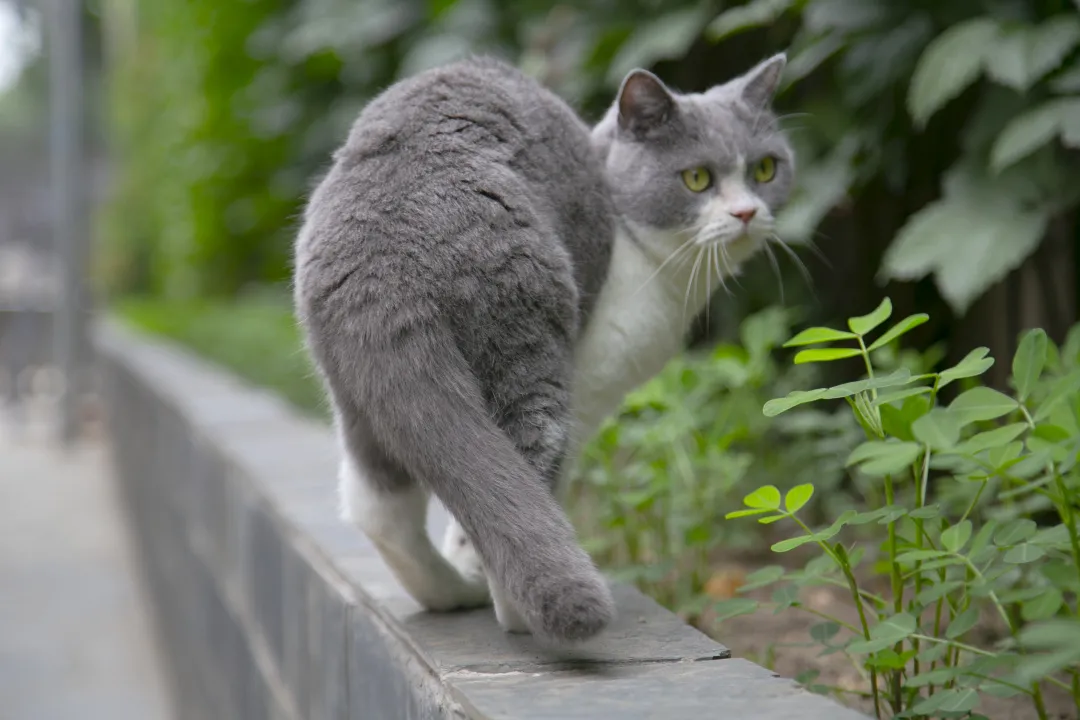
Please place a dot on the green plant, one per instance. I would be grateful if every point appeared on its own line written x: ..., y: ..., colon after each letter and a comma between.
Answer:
x: 652, y: 484
x: 955, y: 535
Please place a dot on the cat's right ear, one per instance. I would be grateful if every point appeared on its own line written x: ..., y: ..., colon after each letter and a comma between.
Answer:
x: 644, y: 102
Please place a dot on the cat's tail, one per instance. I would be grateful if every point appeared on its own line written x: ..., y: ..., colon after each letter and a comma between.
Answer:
x: 429, y: 415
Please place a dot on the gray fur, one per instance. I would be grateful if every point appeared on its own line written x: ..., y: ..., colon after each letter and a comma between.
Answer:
x: 446, y: 267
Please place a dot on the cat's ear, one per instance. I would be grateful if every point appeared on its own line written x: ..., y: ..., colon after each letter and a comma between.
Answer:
x: 644, y: 102
x: 758, y: 86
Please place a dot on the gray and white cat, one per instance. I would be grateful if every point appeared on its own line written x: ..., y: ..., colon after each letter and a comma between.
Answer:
x: 481, y: 279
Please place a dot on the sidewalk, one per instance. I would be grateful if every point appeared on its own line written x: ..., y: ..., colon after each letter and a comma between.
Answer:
x: 75, y: 640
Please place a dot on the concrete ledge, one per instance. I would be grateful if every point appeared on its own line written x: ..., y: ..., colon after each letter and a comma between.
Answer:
x: 270, y: 607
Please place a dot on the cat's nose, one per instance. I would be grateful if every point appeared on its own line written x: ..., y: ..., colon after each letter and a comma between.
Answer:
x: 746, y: 215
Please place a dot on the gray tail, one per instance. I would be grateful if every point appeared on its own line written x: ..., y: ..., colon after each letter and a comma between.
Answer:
x: 429, y: 415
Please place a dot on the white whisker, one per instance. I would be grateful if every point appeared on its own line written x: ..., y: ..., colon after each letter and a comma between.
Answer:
x: 708, y: 283
x: 776, y: 270
x: 669, y: 258
x: 690, y: 284
x: 724, y: 269
x: 796, y: 259
x: 728, y: 266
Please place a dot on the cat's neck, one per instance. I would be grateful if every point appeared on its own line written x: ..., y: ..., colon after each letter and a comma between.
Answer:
x: 639, y: 321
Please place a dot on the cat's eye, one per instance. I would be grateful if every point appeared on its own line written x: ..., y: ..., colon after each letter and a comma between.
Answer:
x: 697, y: 179
x: 765, y: 169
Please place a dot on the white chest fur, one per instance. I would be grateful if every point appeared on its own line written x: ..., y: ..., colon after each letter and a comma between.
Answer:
x: 637, y: 326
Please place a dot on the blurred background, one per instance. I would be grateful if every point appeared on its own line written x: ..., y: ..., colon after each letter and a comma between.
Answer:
x: 938, y: 165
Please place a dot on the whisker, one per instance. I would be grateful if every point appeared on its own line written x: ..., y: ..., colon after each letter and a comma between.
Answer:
x: 796, y: 259
x: 690, y: 284
x: 668, y: 259
x: 728, y: 267
x: 776, y: 270
x: 720, y: 271
x: 809, y: 243
x: 708, y: 283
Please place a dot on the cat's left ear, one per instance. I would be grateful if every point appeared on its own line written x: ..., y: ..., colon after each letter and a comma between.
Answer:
x: 758, y: 86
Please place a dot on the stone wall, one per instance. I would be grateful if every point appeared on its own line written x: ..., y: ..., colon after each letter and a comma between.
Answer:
x: 269, y: 607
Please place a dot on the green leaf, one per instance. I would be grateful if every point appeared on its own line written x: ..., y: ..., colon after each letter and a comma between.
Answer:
x: 865, y: 323
x: 734, y: 607
x: 894, y: 628
x: 894, y: 379
x: 1024, y: 553
x: 1060, y: 637
x: 1023, y: 54
x: 771, y: 519
x: 767, y: 497
x: 1060, y: 390
x: 746, y: 513
x: 981, y: 403
x: 991, y: 439
x: 1031, y: 130
x: 1052, y: 635
x: 878, y: 458
x: 824, y: 632
x: 665, y: 38
x: 1003, y: 456
x: 798, y: 496
x: 761, y: 578
x: 938, y: 429
x: 975, y: 363
x: 898, y: 395
x: 971, y: 238
x: 793, y: 399
x: 1067, y: 82
x: 814, y: 335
x: 792, y: 543
x: 825, y: 355
x: 957, y: 700
x: 982, y: 540
x: 934, y: 677
x: 913, y: 556
x: 956, y: 537
x: 744, y: 17
x: 951, y: 62
x: 1015, y: 531
x: 936, y: 591
x: 1043, y: 607
x: 1037, y: 667
x: 906, y: 325
x: 962, y: 623
x: 1029, y: 361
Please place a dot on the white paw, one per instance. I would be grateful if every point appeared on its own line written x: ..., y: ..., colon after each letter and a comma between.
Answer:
x: 460, y: 552
x: 509, y: 618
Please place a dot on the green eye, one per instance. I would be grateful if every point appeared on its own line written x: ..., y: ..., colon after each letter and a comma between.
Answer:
x: 697, y: 179
x: 765, y: 169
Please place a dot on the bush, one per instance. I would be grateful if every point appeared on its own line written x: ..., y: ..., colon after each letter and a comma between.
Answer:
x: 977, y: 525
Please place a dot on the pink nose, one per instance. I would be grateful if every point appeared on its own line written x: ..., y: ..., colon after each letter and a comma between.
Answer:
x: 745, y: 215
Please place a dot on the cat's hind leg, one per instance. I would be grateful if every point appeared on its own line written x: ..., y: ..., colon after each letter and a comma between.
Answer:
x: 391, y: 510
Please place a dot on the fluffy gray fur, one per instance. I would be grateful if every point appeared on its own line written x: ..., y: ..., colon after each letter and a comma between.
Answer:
x: 449, y: 262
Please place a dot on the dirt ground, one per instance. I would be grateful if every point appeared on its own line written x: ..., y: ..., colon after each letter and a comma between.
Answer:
x: 782, y: 643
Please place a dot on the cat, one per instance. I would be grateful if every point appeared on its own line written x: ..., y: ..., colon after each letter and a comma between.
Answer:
x: 480, y: 279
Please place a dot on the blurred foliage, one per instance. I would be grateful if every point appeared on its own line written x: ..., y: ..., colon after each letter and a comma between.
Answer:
x: 254, y: 337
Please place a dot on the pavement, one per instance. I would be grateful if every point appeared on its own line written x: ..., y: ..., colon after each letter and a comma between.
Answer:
x: 75, y: 636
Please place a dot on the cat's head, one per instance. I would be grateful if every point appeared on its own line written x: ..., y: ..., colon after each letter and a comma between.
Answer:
x: 699, y: 170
